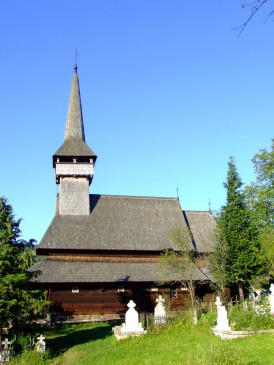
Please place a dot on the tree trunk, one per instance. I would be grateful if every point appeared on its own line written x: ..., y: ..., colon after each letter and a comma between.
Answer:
x: 1, y: 333
x: 240, y: 289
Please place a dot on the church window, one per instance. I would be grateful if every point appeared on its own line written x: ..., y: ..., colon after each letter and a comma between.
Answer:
x: 173, y: 293
x: 75, y: 289
x: 121, y: 287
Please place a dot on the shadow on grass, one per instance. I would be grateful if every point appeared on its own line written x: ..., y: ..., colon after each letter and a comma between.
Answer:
x: 62, y: 343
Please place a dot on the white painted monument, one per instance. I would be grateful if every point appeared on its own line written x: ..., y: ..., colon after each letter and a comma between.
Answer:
x: 271, y: 298
x: 132, y: 326
x: 41, y: 344
x: 222, y: 320
x: 160, y: 311
x: 5, y: 351
x: 132, y: 323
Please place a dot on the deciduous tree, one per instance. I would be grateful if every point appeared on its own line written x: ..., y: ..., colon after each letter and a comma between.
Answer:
x: 218, y: 260
x: 260, y: 198
x: 181, y: 261
x: 255, y: 6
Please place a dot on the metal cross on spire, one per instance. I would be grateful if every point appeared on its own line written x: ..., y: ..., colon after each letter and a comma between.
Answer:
x: 75, y: 59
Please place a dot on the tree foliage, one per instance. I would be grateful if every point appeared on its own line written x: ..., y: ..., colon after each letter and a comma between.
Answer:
x: 240, y: 232
x: 218, y: 261
x: 260, y: 194
x: 267, y: 244
x: 17, y: 301
x: 181, y: 261
x: 260, y: 198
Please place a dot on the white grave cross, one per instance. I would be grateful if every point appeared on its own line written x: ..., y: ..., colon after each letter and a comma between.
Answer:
x: 5, y: 354
x: 222, y: 320
x: 41, y: 344
x: 6, y: 344
x: 271, y: 298
x: 160, y: 311
x: 132, y: 319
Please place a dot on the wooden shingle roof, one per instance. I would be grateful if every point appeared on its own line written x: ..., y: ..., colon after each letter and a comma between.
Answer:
x: 117, y: 223
x: 201, y: 224
x: 126, y: 223
x: 73, y: 271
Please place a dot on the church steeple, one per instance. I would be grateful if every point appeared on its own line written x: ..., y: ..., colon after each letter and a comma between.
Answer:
x: 74, y: 143
x: 74, y: 125
x: 74, y: 160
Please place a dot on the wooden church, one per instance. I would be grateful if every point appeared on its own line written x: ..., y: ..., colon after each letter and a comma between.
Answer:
x: 103, y: 250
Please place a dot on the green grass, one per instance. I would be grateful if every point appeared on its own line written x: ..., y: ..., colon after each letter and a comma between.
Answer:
x: 180, y: 343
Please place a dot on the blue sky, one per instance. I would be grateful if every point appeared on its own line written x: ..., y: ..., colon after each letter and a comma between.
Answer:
x: 169, y: 93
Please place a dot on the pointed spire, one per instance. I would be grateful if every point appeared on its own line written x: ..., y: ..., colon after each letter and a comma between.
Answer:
x: 74, y: 144
x: 74, y: 125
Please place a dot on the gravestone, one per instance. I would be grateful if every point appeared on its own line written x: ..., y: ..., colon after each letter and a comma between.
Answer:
x: 160, y: 311
x: 131, y: 319
x: 41, y: 344
x: 222, y: 320
x: 5, y: 352
x: 271, y: 298
x: 132, y: 326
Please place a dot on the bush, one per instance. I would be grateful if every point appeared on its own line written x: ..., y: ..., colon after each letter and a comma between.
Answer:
x: 31, y: 357
x: 241, y: 319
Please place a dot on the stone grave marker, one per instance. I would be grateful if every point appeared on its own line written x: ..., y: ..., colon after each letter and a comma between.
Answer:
x: 131, y: 326
x: 131, y: 319
x: 41, y: 344
x: 5, y: 352
x: 271, y: 298
x: 222, y: 320
x: 160, y: 311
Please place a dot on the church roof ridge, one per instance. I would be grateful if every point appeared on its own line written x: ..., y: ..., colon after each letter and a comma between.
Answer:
x: 197, y: 211
x: 136, y: 196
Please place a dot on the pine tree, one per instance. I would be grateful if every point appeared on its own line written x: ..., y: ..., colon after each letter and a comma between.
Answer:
x: 240, y: 232
x: 17, y: 301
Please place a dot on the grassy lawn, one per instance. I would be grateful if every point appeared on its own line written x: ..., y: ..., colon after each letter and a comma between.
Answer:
x: 180, y: 343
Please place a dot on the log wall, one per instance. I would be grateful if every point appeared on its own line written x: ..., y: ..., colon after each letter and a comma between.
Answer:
x: 105, y: 301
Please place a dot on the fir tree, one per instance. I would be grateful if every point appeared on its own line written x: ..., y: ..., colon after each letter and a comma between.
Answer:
x: 17, y: 302
x: 240, y: 233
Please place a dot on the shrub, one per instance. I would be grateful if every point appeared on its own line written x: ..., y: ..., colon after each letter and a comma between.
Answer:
x: 250, y: 320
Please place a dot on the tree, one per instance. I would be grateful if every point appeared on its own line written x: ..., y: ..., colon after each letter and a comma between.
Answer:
x: 254, y: 6
x: 218, y: 260
x: 260, y: 194
x: 260, y: 198
x: 181, y: 262
x: 17, y: 301
x: 267, y: 244
x: 240, y: 232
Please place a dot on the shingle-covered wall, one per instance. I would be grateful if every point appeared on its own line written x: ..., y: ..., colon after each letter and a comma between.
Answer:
x: 74, y: 196
x: 74, y: 169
